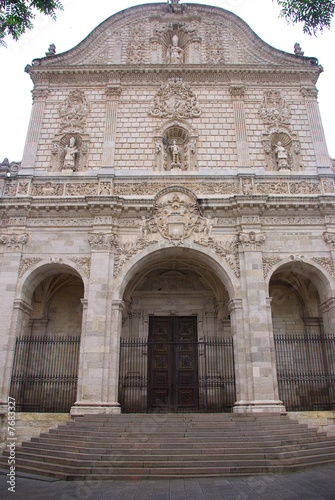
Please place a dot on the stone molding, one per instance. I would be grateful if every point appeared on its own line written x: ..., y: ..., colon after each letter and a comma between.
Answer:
x: 56, y: 186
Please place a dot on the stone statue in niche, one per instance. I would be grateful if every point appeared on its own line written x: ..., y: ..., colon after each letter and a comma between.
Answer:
x: 175, y: 54
x: 71, y: 152
x: 175, y: 152
x: 281, y: 155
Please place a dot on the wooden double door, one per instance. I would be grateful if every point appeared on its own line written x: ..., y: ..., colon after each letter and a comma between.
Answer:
x: 173, y: 363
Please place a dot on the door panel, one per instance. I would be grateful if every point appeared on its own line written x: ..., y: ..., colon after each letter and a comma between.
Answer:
x: 173, y: 371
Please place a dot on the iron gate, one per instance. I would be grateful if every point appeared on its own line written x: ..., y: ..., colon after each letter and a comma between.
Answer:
x: 306, y: 371
x: 45, y: 373
x: 215, y: 376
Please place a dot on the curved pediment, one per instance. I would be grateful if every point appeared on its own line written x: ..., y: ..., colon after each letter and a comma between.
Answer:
x: 153, y: 34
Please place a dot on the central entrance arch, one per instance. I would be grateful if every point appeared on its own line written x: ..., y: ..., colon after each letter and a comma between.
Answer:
x: 176, y: 339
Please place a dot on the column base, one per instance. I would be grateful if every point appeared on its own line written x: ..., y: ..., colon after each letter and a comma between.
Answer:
x: 259, y: 406
x: 85, y: 408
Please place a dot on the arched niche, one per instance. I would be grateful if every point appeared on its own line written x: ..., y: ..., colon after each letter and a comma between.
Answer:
x: 282, y: 150
x: 69, y: 152
x: 176, y: 148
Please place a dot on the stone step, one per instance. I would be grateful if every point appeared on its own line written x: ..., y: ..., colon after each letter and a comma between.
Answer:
x: 178, y: 443
x: 174, y: 450
x: 148, y: 446
x: 183, y: 458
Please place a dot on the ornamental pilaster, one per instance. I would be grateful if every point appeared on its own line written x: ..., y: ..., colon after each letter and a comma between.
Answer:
x: 317, y: 132
x: 34, y: 128
x: 237, y: 92
x: 113, y: 93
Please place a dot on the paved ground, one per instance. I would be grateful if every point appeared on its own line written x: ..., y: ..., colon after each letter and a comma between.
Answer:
x: 312, y: 484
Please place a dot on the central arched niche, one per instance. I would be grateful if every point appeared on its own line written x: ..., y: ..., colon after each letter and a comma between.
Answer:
x: 176, y: 285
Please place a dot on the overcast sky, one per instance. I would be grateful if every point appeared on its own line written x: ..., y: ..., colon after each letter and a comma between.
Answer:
x: 80, y: 17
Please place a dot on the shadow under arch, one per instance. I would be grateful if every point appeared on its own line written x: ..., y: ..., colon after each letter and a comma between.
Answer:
x: 48, y: 325
x: 193, y: 258
x: 42, y: 270
x: 302, y: 314
x: 321, y: 278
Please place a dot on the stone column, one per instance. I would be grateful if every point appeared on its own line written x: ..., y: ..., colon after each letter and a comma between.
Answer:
x: 96, y: 390
x: 237, y: 93
x: 318, y: 137
x: 258, y: 387
x: 114, y: 351
x: 112, y: 95
x: 327, y: 308
x: 36, y: 117
x: 14, y: 314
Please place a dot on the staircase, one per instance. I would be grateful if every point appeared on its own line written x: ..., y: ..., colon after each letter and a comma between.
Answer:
x: 137, y: 446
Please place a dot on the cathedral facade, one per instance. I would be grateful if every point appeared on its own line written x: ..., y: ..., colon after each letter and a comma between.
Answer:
x: 171, y: 225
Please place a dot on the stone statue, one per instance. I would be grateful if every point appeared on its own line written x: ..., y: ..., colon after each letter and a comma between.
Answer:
x: 281, y: 154
x: 175, y: 54
x: 174, y: 148
x: 70, y: 155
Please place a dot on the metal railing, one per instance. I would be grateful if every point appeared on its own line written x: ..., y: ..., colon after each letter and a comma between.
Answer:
x: 306, y: 371
x: 215, y: 376
x: 45, y: 373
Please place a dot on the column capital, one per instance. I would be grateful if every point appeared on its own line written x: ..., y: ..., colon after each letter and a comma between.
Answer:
x: 13, y: 242
x: 113, y: 91
x: 251, y: 240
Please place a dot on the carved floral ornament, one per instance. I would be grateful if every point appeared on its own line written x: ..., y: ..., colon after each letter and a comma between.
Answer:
x: 175, y: 100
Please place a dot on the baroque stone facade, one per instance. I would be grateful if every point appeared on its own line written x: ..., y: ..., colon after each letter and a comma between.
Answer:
x: 175, y: 165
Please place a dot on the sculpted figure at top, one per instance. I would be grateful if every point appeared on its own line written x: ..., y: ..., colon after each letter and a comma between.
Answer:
x: 175, y: 54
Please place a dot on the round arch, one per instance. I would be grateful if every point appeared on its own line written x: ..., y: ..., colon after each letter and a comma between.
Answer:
x: 47, y: 326
x: 321, y: 278
x: 138, y: 265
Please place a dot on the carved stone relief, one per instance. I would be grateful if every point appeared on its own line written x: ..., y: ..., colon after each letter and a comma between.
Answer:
x: 326, y: 263
x: 175, y: 100
x: 251, y: 240
x: 274, y: 109
x: 73, y: 113
x: 173, y: 6
x: 26, y: 263
x: 215, y: 43
x: 228, y: 250
x: 329, y: 238
x: 84, y: 263
x: 268, y: 263
x: 136, y: 48
x: 13, y: 242
x: 281, y: 144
